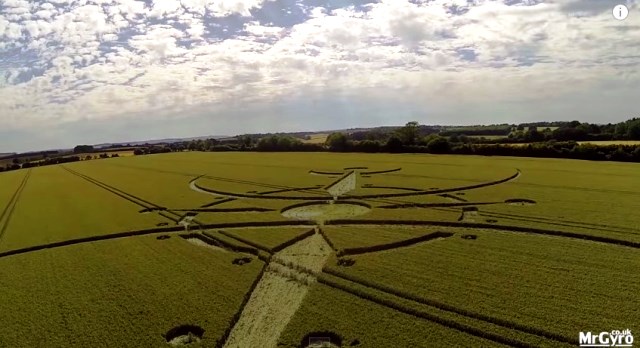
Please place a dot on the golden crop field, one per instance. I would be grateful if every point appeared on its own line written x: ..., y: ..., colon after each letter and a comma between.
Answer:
x: 96, y: 154
x: 318, y: 138
x: 241, y: 249
x: 596, y: 143
x: 611, y: 142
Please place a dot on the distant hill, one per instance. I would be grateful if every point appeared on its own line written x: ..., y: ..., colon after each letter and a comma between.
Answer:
x: 158, y: 141
x: 302, y: 135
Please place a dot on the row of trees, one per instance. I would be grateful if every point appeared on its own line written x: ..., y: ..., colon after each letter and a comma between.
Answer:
x: 400, y: 140
x: 628, y: 130
x: 51, y: 161
x: 504, y: 129
x: 569, y: 149
x: 547, y: 143
x: 83, y: 149
x: 153, y: 150
x: 412, y: 138
x: 47, y: 161
x: 442, y: 145
x: 526, y: 132
x: 413, y: 134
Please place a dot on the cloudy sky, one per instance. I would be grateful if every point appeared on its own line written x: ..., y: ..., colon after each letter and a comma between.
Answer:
x: 83, y: 71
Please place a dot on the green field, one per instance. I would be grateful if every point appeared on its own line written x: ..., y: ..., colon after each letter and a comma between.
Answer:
x: 336, y: 311
x: 56, y: 206
x: 543, y: 282
x: 446, y: 250
x: 126, y: 292
x: 268, y: 238
x: 319, y: 138
x: 489, y: 137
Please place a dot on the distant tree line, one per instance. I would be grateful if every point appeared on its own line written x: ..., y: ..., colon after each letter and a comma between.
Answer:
x: 47, y: 161
x: 478, y: 130
x: 411, y: 138
x: 151, y: 150
x: 83, y: 149
x: 553, y: 149
x: 576, y: 131
x: 525, y: 140
x: 18, y: 158
x: 560, y: 142
x: 51, y: 161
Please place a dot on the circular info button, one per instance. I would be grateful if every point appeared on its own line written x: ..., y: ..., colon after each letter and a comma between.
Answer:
x: 620, y: 12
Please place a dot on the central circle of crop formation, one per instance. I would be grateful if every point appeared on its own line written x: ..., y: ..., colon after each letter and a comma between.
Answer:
x: 325, y: 211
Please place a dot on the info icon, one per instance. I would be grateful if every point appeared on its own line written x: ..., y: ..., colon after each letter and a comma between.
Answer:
x: 620, y: 12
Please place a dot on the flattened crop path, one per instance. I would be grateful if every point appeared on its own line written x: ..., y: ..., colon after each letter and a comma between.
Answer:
x: 279, y: 293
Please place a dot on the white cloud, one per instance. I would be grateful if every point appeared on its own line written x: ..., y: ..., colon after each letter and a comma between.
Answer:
x: 93, y: 17
x: 196, y: 28
x: 45, y: 14
x: 411, y: 23
x: 47, y: 6
x: 109, y: 37
x: 131, y: 9
x: 225, y: 7
x: 130, y: 60
x: 16, y: 4
x: 196, y: 6
x: 3, y: 24
x: 13, y: 31
x: 159, y: 41
x: 37, y: 28
x: 162, y: 8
